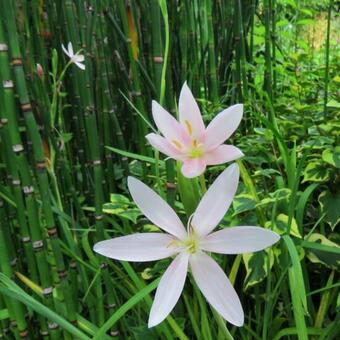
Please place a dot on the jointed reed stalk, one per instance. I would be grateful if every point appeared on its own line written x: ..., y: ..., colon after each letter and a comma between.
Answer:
x: 326, y: 79
x: 39, y: 158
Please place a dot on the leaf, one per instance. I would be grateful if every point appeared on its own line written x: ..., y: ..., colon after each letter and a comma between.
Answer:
x: 296, y: 281
x: 303, y: 199
x: 119, y: 199
x: 130, y: 214
x: 134, y: 155
x: 330, y: 205
x: 305, y: 22
x: 256, y: 266
x: 322, y: 250
x: 242, y: 203
x: 266, y: 172
x: 268, y: 134
x: 66, y: 136
x: 281, y: 224
x: 332, y: 156
x: 132, y: 32
x: 275, y: 196
x: 123, y: 309
x: 333, y: 103
x: 292, y: 3
x: 315, y: 172
x: 13, y: 291
x: 4, y: 314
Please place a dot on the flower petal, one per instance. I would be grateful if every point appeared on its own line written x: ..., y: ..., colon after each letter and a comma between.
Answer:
x: 216, y: 201
x: 223, y: 125
x: 193, y: 167
x: 138, y: 247
x: 238, y: 240
x: 80, y: 65
x: 162, y: 144
x: 169, y: 289
x: 65, y: 50
x: 189, y: 113
x: 216, y: 288
x: 70, y: 49
x: 222, y: 154
x: 167, y: 124
x: 155, y: 208
x: 79, y: 58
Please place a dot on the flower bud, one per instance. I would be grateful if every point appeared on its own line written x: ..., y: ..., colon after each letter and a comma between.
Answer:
x: 40, y: 72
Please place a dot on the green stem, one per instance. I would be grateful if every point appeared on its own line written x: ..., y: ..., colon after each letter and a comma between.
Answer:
x: 202, y: 183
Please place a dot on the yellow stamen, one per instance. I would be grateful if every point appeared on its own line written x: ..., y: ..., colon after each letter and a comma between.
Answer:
x: 177, y: 143
x: 189, y: 127
x: 194, y: 143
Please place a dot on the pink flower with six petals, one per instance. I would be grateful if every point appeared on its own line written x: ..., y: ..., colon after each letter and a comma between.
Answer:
x: 189, y: 141
x: 190, y: 246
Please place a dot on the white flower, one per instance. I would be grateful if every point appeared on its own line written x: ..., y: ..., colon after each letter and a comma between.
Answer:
x: 190, y: 246
x: 75, y: 58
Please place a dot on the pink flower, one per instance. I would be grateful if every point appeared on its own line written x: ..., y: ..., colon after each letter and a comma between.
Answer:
x: 76, y: 58
x: 190, y: 246
x: 189, y: 141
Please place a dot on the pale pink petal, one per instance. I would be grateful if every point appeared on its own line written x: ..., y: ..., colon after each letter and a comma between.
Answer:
x: 167, y: 124
x: 216, y: 201
x: 193, y: 167
x: 80, y: 65
x: 70, y: 49
x: 155, y: 208
x: 65, y: 50
x: 169, y: 289
x: 216, y: 288
x: 223, y: 126
x: 189, y: 113
x: 138, y: 247
x: 238, y: 240
x: 222, y: 154
x: 162, y: 144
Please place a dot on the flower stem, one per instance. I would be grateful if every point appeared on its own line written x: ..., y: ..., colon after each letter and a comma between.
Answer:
x: 202, y: 183
x: 222, y: 325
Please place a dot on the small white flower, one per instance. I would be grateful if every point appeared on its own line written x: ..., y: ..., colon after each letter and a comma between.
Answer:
x: 75, y: 58
x: 190, y: 247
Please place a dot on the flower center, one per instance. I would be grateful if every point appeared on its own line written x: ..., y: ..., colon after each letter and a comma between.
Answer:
x: 191, y: 245
x: 196, y: 150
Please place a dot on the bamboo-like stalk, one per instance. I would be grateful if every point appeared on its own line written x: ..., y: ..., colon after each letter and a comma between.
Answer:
x: 35, y: 138
x: 273, y: 38
x: 15, y: 309
x: 268, y: 59
x: 326, y: 78
x: 136, y: 84
x: 240, y: 72
x: 212, y: 72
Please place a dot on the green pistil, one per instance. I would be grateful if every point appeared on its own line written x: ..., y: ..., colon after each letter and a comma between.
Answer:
x: 191, y: 244
x: 196, y: 153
